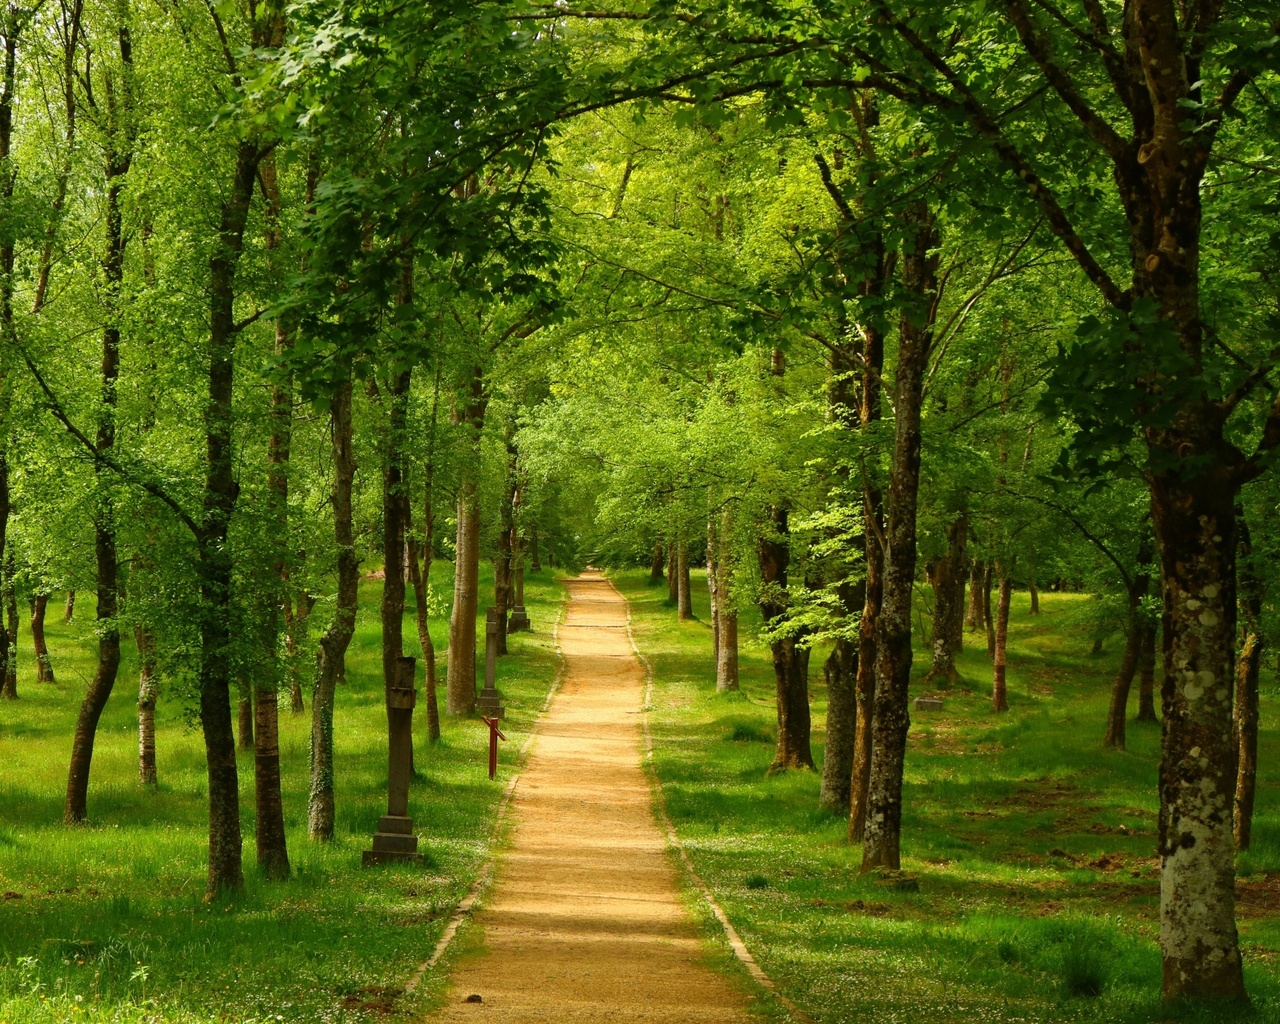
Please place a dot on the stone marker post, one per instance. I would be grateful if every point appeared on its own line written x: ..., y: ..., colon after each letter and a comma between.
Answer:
x: 394, y: 840
x: 519, y: 621
x: 489, y: 703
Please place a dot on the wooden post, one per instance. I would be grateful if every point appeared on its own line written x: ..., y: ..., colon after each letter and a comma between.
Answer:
x: 395, y: 840
x: 489, y: 703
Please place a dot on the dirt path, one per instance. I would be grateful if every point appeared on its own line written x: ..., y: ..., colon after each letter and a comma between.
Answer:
x: 584, y: 922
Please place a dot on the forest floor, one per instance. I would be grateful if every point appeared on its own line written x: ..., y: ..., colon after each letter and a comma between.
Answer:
x: 1034, y: 847
x: 584, y: 922
x: 107, y: 922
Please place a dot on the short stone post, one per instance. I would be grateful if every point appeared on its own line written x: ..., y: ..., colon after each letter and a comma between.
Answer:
x: 395, y: 840
x: 489, y: 703
x: 519, y: 621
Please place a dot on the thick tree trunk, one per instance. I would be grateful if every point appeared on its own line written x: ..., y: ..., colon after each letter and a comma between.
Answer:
x: 658, y: 562
x: 1195, y: 529
x: 334, y: 642
x: 44, y: 666
x: 999, y: 691
x: 272, y: 853
x: 883, y: 826
x: 684, y: 602
x: 790, y: 667
x: 841, y: 671
x: 947, y: 576
x: 147, y: 687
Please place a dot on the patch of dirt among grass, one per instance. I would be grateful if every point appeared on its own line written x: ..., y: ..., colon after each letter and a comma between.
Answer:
x: 1258, y: 897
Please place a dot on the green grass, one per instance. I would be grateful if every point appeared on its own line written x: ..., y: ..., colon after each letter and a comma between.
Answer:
x: 107, y: 922
x: 1034, y: 847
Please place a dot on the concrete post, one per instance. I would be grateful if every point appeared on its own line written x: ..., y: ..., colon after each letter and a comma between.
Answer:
x: 395, y: 840
x: 489, y: 703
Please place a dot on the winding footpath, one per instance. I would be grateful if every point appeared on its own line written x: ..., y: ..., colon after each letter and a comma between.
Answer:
x: 584, y: 921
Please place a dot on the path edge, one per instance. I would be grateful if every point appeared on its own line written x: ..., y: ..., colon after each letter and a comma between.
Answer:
x: 739, y: 948
x: 485, y: 875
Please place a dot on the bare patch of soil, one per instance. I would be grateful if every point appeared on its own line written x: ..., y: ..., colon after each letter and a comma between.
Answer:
x: 584, y: 923
x: 1258, y: 897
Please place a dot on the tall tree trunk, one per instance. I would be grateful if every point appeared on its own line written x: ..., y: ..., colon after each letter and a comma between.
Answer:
x: 684, y: 603
x: 1034, y: 591
x: 947, y: 576
x: 882, y: 829
x: 69, y: 608
x: 711, y: 590
x: 865, y: 683
x: 504, y: 564
x: 535, y: 563
x: 420, y: 573
x: 1248, y: 664
x: 461, y: 676
x: 1147, y: 673
x: 269, y: 834
x: 975, y: 614
x: 44, y: 667
x: 988, y: 578
x: 333, y: 644
x: 658, y: 562
x: 790, y: 667
x: 999, y: 692
x: 147, y: 687
x: 841, y: 671
x: 119, y: 140
x: 727, y: 642
x: 673, y: 575
x: 1119, y: 707
x: 12, y: 29
x: 395, y: 519
x: 10, y: 601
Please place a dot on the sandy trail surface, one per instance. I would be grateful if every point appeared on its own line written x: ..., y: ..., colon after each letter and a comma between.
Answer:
x: 584, y: 922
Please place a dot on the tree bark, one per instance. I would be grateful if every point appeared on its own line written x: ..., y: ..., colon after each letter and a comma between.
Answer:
x: 727, y: 634
x: 504, y: 564
x: 684, y: 602
x: 535, y: 563
x: 657, y: 564
x: 673, y: 575
x: 975, y: 618
x: 395, y: 519
x: 147, y: 687
x: 1115, y: 737
x: 1248, y: 665
x: 987, y: 580
x: 711, y: 590
x: 11, y: 627
x: 44, y: 666
x: 883, y: 825
x: 69, y: 608
x: 1034, y: 591
x: 334, y: 642
x: 947, y: 576
x: 865, y: 683
x: 1147, y: 674
x: 999, y: 692
x: 790, y: 667
x: 119, y: 157
x: 461, y: 676
x: 7, y: 691
x: 841, y: 670
x: 420, y: 573
x: 244, y: 719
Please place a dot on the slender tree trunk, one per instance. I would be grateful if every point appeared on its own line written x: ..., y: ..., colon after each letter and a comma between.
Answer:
x: 711, y: 590
x: 975, y: 615
x: 882, y: 828
x: 504, y: 564
x: 11, y: 628
x: 147, y: 688
x: 244, y: 719
x: 7, y: 692
x: 461, y: 677
x: 684, y: 603
x: 297, y: 628
x: 44, y: 667
x: 988, y: 580
x: 1248, y: 665
x: 395, y: 519
x: 1035, y: 597
x: 727, y: 642
x: 420, y: 574
x: 673, y: 575
x: 1119, y: 708
x: 789, y: 665
x: 535, y: 564
x: 865, y: 683
x: 119, y: 159
x: 947, y: 575
x: 69, y: 608
x: 334, y: 642
x: 1147, y: 673
x: 657, y: 564
x: 999, y: 692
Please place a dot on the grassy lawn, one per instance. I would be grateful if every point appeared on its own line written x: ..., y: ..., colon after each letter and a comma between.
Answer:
x: 107, y: 922
x: 1034, y: 847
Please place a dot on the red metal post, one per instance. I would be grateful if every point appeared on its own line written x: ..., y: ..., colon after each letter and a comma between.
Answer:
x: 495, y: 734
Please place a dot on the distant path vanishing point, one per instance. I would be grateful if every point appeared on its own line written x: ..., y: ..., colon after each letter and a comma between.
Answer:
x: 584, y: 921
